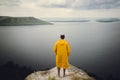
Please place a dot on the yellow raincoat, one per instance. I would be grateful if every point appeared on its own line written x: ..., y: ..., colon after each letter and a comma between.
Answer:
x: 62, y: 52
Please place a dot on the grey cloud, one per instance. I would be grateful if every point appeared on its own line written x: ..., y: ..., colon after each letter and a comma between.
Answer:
x: 106, y: 4
x: 72, y: 4
x: 10, y: 2
x: 54, y: 5
x: 87, y: 4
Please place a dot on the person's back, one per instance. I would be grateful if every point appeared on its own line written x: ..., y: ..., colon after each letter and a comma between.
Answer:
x: 62, y: 51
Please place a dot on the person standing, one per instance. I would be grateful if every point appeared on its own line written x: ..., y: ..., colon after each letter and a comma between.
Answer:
x: 62, y: 51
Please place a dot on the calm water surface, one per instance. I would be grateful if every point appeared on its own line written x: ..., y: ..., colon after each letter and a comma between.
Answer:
x: 95, y: 46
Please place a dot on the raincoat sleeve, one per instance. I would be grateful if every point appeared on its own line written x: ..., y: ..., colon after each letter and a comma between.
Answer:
x: 55, y: 48
x: 68, y: 49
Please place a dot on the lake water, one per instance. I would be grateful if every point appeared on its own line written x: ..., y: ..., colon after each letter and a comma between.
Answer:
x: 95, y: 46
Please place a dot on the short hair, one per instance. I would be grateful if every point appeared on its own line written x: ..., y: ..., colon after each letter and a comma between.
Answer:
x: 62, y: 36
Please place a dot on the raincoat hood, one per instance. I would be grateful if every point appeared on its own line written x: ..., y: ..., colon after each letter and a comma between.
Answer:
x: 62, y: 42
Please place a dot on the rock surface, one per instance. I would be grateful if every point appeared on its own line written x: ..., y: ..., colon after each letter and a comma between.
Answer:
x: 73, y: 73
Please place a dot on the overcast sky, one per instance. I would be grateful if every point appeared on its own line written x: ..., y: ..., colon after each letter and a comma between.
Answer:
x: 60, y: 8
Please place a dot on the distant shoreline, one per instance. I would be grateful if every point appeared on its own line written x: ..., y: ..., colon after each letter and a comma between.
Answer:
x: 104, y: 20
x: 21, y: 21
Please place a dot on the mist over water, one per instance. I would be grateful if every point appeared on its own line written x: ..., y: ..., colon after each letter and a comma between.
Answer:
x: 95, y: 46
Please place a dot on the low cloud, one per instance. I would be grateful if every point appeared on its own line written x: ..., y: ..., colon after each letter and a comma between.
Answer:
x: 10, y: 2
x: 72, y: 4
x: 60, y: 8
x: 84, y: 4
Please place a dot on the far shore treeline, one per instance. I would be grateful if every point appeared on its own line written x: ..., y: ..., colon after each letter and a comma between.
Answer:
x: 19, y: 21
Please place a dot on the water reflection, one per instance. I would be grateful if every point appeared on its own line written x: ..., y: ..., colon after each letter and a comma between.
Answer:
x: 95, y: 46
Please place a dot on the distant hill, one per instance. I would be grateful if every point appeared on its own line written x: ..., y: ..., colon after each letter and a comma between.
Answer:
x: 108, y: 20
x: 18, y: 21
